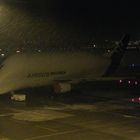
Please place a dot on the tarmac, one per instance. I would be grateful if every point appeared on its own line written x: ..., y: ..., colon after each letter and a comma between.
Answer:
x: 65, y: 118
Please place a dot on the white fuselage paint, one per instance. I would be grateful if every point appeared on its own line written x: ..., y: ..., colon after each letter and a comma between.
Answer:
x: 32, y: 70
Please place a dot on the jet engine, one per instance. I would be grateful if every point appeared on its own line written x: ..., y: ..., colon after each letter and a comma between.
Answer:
x: 62, y: 87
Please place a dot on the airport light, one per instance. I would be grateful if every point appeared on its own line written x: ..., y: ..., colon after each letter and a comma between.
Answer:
x: 39, y: 51
x: 2, y: 54
x: 133, y: 65
x: 133, y: 99
x: 136, y: 82
x: 120, y: 81
x: 17, y: 51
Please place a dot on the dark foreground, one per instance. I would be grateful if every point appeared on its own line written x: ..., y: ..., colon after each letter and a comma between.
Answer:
x: 104, y: 115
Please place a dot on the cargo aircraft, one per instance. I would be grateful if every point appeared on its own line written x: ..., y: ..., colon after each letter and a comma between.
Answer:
x: 59, y: 69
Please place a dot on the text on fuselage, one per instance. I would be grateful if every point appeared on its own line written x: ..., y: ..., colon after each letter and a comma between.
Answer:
x: 45, y: 74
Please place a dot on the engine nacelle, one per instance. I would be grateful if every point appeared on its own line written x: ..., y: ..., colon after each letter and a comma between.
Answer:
x: 62, y: 87
x: 18, y: 97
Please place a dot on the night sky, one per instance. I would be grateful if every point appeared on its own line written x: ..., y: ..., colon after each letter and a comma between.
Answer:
x: 64, y: 21
x: 106, y: 17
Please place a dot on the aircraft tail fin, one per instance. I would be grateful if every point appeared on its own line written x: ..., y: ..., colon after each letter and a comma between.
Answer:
x: 120, y: 49
x: 117, y: 55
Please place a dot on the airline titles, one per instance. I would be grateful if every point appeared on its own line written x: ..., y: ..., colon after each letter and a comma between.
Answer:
x: 45, y: 74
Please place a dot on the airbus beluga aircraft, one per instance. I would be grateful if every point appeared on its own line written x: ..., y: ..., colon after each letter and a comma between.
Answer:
x: 59, y: 69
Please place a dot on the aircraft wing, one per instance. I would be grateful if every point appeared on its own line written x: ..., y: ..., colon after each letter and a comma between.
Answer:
x: 90, y: 78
